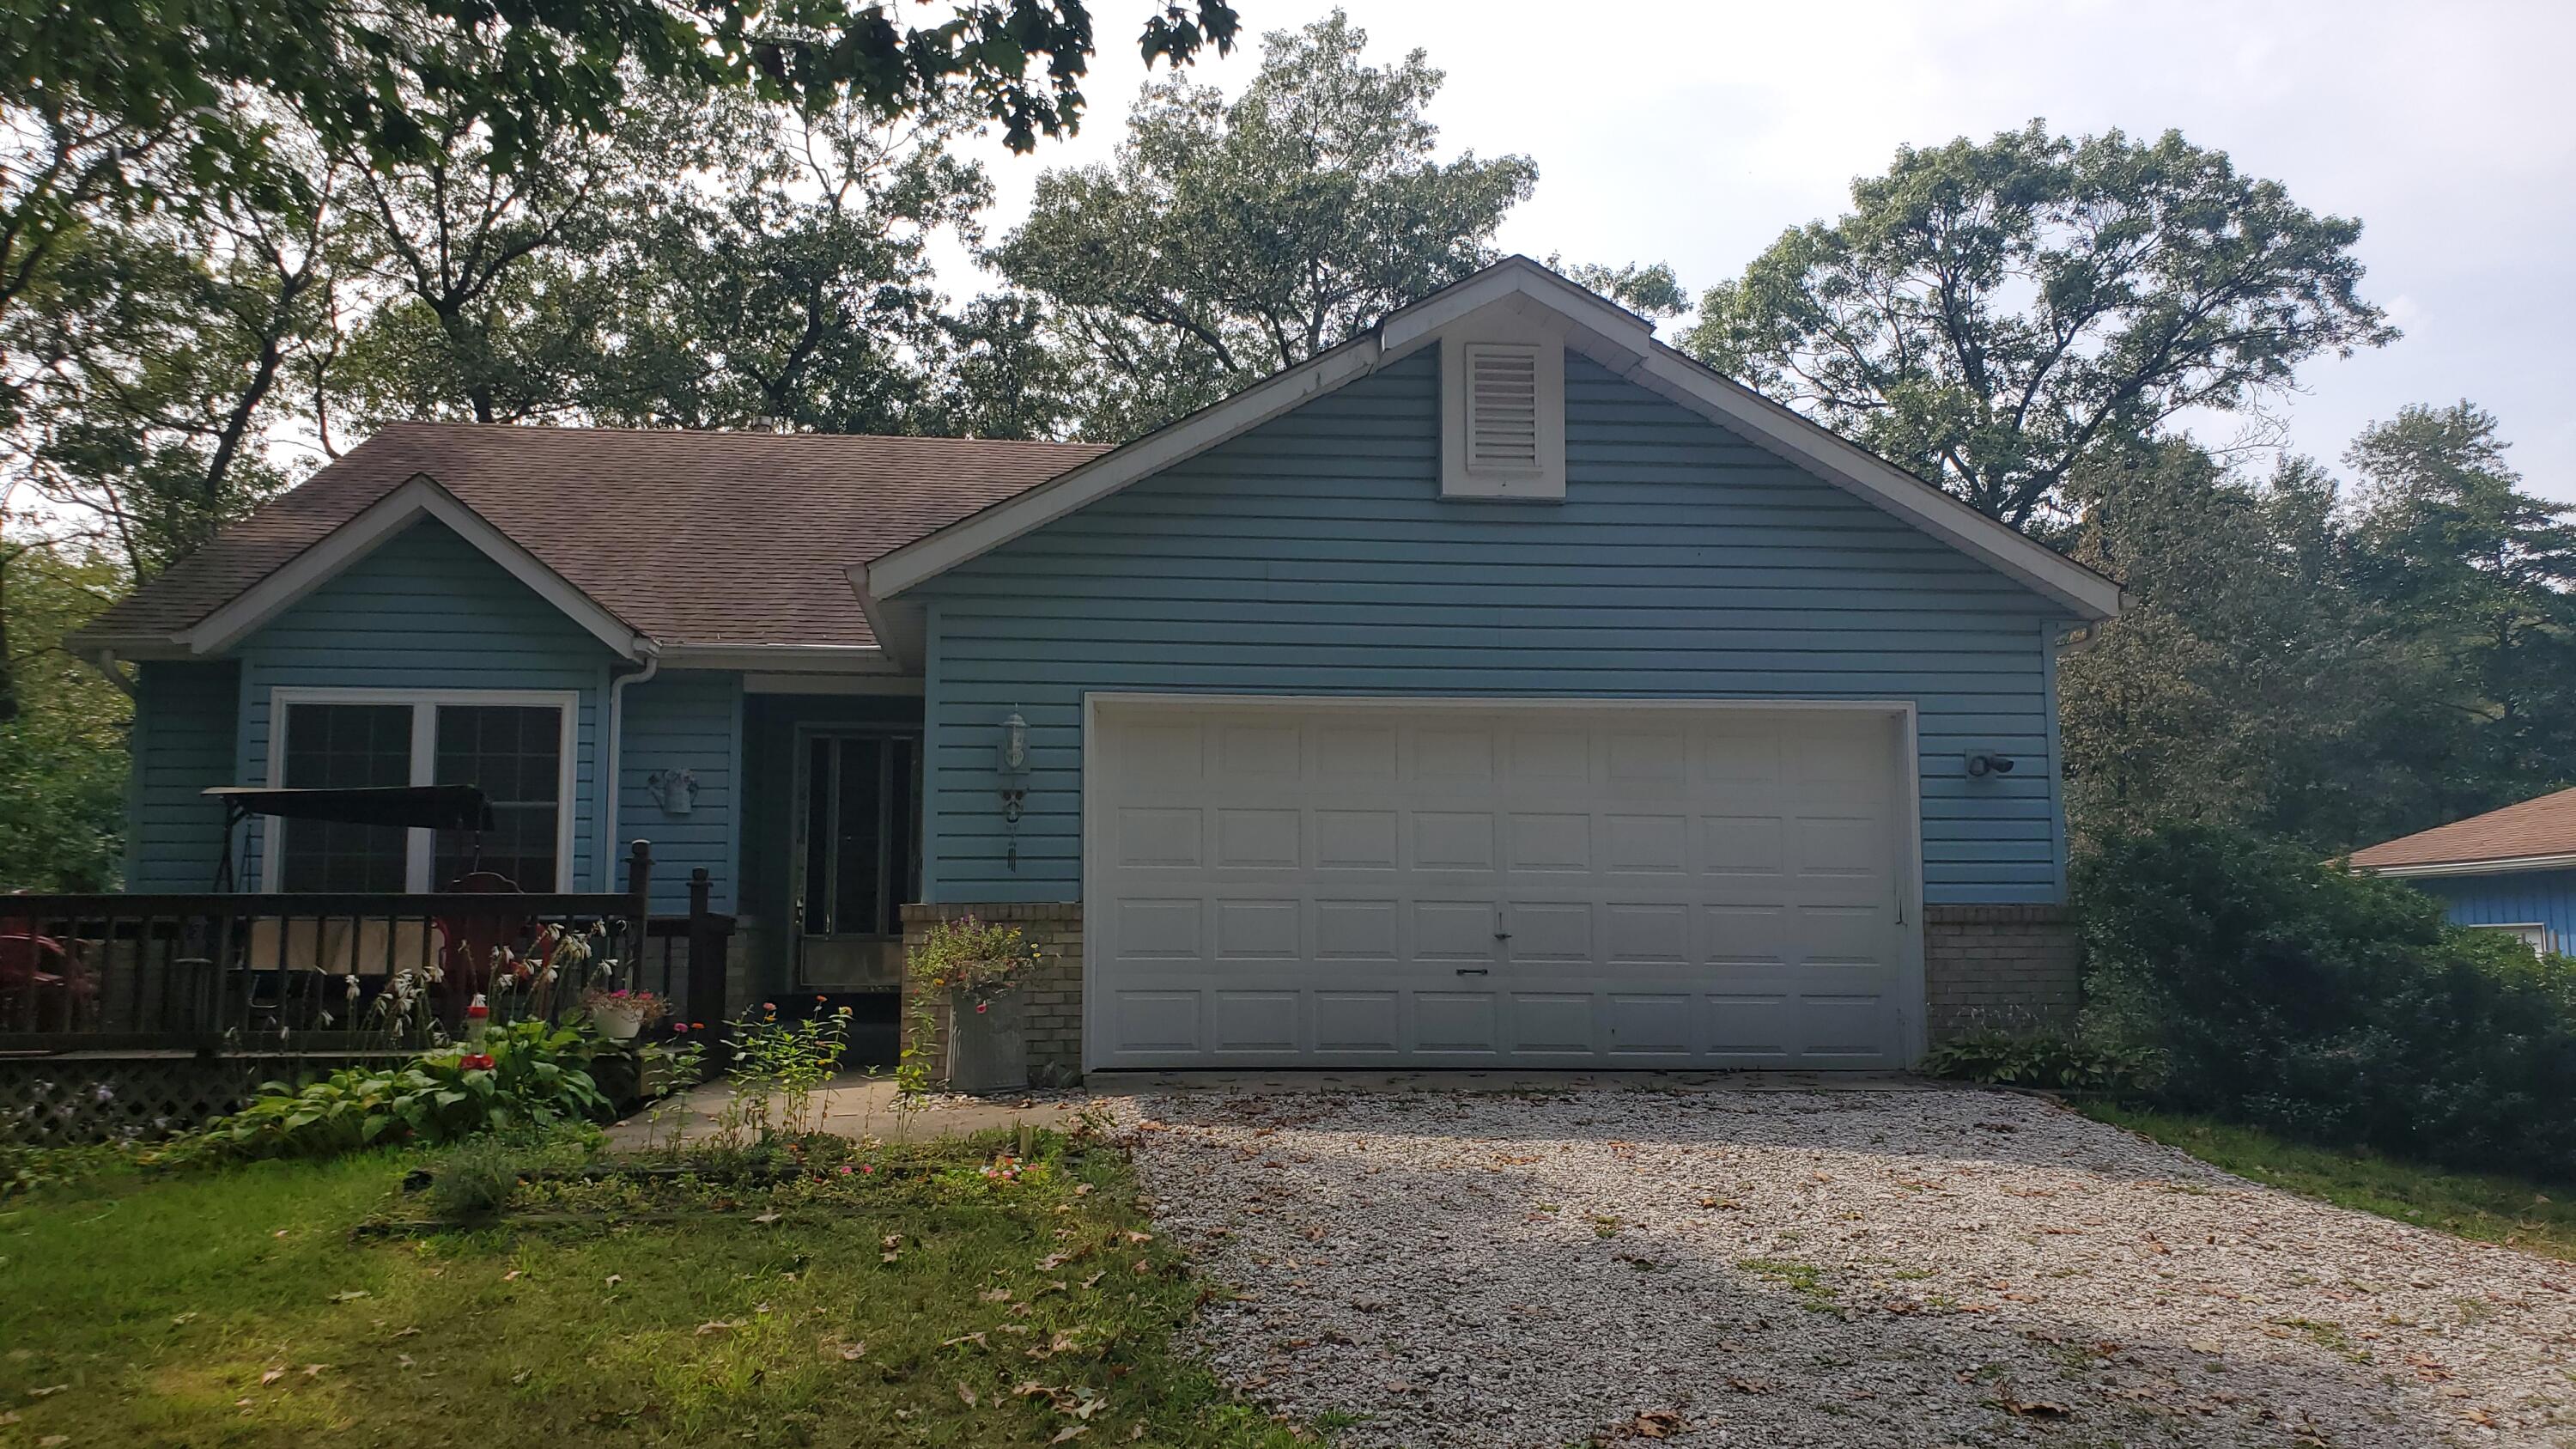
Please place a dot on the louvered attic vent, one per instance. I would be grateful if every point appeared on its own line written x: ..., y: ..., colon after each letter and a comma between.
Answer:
x: 1502, y: 408
x: 1503, y: 419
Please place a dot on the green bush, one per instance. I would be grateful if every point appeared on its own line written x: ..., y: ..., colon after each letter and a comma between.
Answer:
x: 526, y: 1074
x: 2288, y: 993
x: 2057, y: 1060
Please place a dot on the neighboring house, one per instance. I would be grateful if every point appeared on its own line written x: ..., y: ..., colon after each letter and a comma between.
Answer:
x: 2511, y: 870
x: 1500, y: 687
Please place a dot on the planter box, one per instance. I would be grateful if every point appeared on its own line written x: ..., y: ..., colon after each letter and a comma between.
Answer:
x: 988, y: 1050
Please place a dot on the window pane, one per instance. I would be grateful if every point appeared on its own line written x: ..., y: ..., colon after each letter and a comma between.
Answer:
x: 344, y: 747
x: 857, y: 896
x: 514, y: 755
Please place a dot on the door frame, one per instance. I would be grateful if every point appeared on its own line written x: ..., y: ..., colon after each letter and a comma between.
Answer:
x: 800, y: 802
x: 1908, y: 781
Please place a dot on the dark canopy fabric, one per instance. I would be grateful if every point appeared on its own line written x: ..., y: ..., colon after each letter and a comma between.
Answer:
x: 437, y: 807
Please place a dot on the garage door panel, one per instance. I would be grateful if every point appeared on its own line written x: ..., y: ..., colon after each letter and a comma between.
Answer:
x: 1550, y: 933
x: 1259, y: 930
x: 1264, y: 1022
x: 1454, y: 1022
x: 1548, y: 842
x: 1355, y: 840
x: 1160, y: 836
x: 1453, y: 931
x: 1358, y: 1021
x: 1303, y: 881
x: 1554, y: 1023
x: 1148, y: 929
x: 1660, y: 1025
x: 1359, y: 931
x: 1453, y: 840
x: 1258, y: 839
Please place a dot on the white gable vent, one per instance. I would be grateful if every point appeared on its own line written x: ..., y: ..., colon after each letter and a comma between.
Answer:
x: 1503, y: 419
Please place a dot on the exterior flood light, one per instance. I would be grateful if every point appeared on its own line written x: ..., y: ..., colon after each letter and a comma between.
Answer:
x: 1981, y: 764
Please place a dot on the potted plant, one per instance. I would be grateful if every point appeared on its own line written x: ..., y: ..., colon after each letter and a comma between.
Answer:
x: 980, y: 968
x: 620, y: 1014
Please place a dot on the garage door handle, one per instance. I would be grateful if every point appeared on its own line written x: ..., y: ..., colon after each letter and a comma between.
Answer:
x: 1471, y: 970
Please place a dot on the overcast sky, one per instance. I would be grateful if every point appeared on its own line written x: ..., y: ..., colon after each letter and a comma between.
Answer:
x: 1695, y: 131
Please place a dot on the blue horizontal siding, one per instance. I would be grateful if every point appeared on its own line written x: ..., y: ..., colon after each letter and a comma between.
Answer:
x: 2544, y: 897
x: 1313, y: 555
x: 427, y: 610
x: 684, y: 721
x: 184, y: 716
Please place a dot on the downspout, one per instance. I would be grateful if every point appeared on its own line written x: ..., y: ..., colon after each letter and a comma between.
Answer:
x: 104, y: 661
x: 611, y: 761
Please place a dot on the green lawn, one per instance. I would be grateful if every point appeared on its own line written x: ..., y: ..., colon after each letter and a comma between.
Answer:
x: 2492, y: 1209
x: 919, y: 1305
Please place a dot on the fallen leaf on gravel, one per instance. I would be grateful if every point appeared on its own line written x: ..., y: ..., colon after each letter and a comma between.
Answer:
x: 1748, y: 1386
x: 2033, y: 1408
x: 1656, y: 1424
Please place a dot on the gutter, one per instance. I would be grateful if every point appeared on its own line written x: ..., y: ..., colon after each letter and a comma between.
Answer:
x: 2500, y: 865
x: 612, y: 763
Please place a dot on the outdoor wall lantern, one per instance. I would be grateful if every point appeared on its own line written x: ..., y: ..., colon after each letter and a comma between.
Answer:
x: 676, y: 790
x: 1982, y: 764
x: 1014, y: 766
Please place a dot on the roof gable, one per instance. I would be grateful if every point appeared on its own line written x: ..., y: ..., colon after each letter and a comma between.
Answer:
x: 1593, y: 326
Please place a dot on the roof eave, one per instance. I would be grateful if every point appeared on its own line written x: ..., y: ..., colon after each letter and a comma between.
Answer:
x: 2494, y: 865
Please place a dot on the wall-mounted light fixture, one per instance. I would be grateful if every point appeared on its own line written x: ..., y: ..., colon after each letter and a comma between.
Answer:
x: 1014, y: 769
x: 675, y: 790
x: 1982, y: 764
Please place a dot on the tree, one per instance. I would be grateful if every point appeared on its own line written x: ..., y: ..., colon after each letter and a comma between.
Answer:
x: 1988, y: 315
x: 62, y: 752
x: 1228, y: 240
x: 2485, y: 574
x: 1650, y: 291
x: 800, y: 292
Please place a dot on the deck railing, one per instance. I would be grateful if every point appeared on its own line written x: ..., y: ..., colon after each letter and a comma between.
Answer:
x: 324, y: 973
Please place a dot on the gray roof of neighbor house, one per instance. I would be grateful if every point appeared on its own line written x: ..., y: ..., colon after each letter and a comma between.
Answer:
x: 701, y: 539
x: 2535, y: 833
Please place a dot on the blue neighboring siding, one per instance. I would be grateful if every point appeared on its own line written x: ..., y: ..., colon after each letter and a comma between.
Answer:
x: 1314, y: 555
x: 427, y: 610
x: 684, y: 721
x: 2521, y: 898
x: 184, y: 716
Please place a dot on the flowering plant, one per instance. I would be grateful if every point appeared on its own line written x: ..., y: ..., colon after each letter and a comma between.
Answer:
x: 973, y: 958
x: 644, y: 1006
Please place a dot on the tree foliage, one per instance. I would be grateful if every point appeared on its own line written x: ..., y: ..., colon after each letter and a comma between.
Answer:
x: 1989, y: 314
x: 62, y: 728
x: 1230, y: 239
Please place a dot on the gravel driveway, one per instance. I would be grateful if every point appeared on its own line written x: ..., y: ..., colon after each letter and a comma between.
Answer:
x: 1903, y: 1267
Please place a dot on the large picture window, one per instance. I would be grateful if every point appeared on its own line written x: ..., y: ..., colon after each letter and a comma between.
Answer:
x: 513, y: 747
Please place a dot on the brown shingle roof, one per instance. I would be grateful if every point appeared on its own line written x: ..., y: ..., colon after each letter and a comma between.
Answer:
x: 2538, y: 827
x: 693, y: 538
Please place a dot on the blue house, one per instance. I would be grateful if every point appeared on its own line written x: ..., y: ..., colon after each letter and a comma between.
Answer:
x: 1499, y: 687
x: 2511, y: 870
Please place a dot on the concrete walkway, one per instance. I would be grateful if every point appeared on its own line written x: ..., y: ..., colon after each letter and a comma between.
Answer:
x: 869, y: 1106
x: 857, y: 1107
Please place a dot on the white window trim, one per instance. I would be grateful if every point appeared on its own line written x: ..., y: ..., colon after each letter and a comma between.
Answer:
x: 2523, y: 931
x: 424, y: 760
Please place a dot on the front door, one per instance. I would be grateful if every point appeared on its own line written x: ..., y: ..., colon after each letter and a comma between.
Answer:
x: 857, y: 854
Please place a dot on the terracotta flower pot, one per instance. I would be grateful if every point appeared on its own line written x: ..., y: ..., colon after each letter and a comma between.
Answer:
x: 987, y: 1049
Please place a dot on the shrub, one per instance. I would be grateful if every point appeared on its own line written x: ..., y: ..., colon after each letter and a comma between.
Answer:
x: 2287, y: 992
x: 2039, y: 1057
x: 526, y: 1074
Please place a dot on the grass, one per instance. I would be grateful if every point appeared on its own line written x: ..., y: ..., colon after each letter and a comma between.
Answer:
x: 2489, y: 1208
x: 932, y: 1307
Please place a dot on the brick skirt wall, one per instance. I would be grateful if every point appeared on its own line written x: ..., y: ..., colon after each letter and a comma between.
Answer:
x: 2008, y: 966
x: 1053, y: 996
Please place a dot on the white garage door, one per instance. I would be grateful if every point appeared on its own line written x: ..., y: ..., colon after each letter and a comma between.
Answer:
x: 1309, y: 883
x: 1317, y: 883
